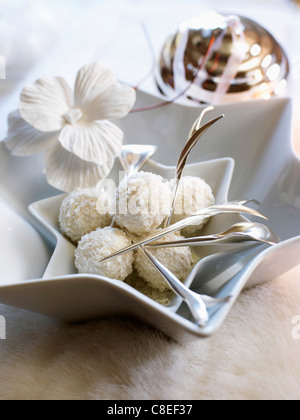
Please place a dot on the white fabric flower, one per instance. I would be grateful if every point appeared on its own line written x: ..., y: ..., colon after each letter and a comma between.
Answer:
x: 74, y: 130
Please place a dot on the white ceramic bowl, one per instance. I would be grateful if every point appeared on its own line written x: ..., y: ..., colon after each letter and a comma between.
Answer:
x: 256, y: 135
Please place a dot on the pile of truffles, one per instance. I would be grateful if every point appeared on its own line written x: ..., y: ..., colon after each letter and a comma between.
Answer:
x: 139, y: 207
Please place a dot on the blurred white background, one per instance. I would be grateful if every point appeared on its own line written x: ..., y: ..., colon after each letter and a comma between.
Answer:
x: 57, y: 37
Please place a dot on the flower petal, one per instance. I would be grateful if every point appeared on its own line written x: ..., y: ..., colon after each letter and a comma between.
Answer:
x: 112, y: 104
x: 97, y: 142
x: 66, y: 172
x: 44, y: 103
x: 22, y: 139
x: 92, y: 81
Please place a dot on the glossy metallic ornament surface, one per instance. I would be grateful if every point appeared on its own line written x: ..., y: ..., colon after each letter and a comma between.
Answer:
x: 217, y: 58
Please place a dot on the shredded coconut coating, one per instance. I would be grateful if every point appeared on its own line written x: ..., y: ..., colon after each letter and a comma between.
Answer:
x: 178, y: 260
x: 194, y: 194
x: 79, y: 216
x: 142, y: 202
x: 164, y: 298
x: 99, y: 244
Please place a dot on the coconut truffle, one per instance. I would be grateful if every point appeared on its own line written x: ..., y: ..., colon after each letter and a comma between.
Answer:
x: 142, y: 202
x: 194, y: 194
x: 178, y: 260
x: 100, y: 244
x: 79, y: 216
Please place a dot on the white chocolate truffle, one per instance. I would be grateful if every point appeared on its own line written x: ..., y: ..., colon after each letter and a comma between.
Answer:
x: 100, y: 244
x: 79, y: 216
x: 178, y: 260
x: 194, y: 194
x: 142, y: 202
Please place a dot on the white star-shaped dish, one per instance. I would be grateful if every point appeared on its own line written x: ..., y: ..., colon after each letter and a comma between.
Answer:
x: 253, y: 158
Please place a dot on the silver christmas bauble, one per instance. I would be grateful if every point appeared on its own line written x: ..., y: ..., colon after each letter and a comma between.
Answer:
x: 219, y: 58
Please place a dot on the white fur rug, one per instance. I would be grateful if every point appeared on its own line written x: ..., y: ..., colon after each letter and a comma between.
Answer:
x: 253, y: 356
